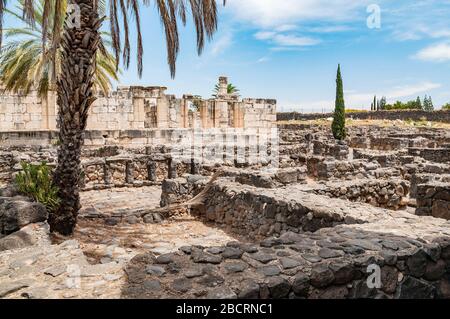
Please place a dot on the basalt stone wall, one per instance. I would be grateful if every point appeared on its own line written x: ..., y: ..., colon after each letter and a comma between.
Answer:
x: 412, y: 253
x: 384, y: 159
x: 329, y: 264
x: 336, y: 150
x: 388, y: 143
x: 388, y: 194
x: 415, y: 115
x: 439, y: 155
x: 434, y: 199
x: 255, y: 212
x: 326, y: 169
x: 425, y: 178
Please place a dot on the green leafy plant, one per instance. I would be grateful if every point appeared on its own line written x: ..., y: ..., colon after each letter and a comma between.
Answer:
x: 36, y: 182
x: 231, y: 89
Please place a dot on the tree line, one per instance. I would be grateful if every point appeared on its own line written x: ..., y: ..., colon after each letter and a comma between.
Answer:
x: 418, y: 104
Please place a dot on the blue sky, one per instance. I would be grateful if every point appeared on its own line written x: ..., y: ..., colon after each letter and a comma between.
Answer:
x: 289, y: 50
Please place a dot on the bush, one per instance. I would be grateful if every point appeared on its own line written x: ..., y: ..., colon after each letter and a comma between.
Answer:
x: 35, y: 181
x: 446, y: 106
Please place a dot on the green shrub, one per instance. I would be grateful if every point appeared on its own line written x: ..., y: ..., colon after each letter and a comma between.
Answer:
x: 35, y: 181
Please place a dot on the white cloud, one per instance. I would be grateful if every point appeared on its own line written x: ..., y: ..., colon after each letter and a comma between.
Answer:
x: 274, y: 13
x: 439, y: 52
x: 286, y: 27
x: 221, y: 44
x: 294, y: 41
x: 265, y: 35
x: 411, y: 90
x: 286, y: 40
x: 329, y: 29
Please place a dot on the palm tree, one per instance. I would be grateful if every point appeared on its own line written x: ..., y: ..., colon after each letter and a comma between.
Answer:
x: 27, y: 56
x: 231, y: 89
x: 75, y: 83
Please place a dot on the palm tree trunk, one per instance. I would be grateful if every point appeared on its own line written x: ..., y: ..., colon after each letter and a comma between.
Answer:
x: 75, y: 96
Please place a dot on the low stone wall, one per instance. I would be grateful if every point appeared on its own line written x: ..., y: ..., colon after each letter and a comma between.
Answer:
x: 385, y: 159
x: 388, y: 194
x: 439, y: 155
x: 433, y: 199
x: 425, y: 178
x: 278, y: 178
x: 336, y: 150
x: 326, y: 169
x: 415, y: 115
x: 411, y: 252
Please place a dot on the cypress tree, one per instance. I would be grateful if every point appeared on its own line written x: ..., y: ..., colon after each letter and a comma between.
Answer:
x: 419, y: 104
x: 430, y: 106
x: 338, y: 126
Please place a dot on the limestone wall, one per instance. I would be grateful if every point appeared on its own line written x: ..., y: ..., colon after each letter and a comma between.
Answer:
x: 433, y: 199
x: 139, y: 108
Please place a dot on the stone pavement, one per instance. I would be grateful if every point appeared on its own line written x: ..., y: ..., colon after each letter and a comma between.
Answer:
x: 91, y: 264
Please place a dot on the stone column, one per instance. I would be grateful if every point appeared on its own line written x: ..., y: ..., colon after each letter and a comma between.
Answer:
x: 107, y: 174
x: 204, y: 114
x: 172, y: 168
x: 195, y: 167
x: 138, y: 107
x: 129, y: 172
x: 223, y: 85
x: 162, y: 109
x: 151, y: 170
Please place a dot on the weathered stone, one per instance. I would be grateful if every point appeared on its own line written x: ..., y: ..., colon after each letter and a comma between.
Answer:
x: 343, y: 272
x: 279, y: 287
x: 165, y: 259
x: 330, y: 253
x: 235, y: 266
x: 413, y: 288
x: 55, y: 271
x: 16, y: 240
x: 311, y: 258
x: 199, y: 256
x: 249, y: 290
x: 321, y: 276
x: 262, y: 257
x: 289, y: 263
x: 152, y: 285
x: 8, y: 287
x: 417, y: 263
x: 300, y: 285
x: 155, y: 270
x: 194, y: 272
x: 435, y: 270
x: 232, y: 253
x: 221, y: 293
x: 269, y: 270
x: 389, y: 279
x: 181, y: 285
x: 16, y: 213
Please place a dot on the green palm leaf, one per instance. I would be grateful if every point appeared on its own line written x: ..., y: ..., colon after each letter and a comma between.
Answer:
x: 28, y: 63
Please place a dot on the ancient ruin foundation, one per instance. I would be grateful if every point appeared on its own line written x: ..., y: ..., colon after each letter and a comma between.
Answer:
x: 308, y: 227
